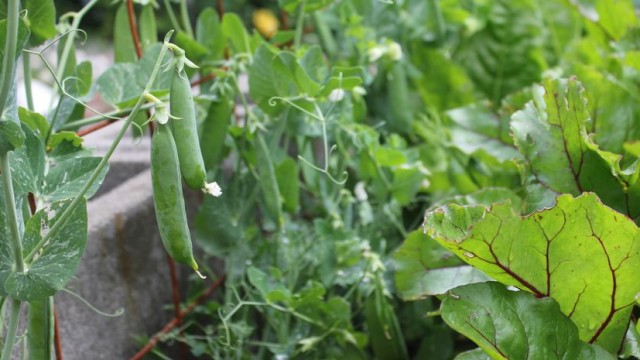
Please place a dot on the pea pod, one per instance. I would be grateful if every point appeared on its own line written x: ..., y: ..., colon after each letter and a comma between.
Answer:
x: 214, y: 131
x: 148, y: 28
x: 40, y: 329
x: 399, y: 106
x: 185, y: 130
x: 167, y: 197
x: 384, y: 329
x: 122, y: 40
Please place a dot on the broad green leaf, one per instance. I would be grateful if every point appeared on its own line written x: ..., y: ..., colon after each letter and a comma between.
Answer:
x: 408, y: 179
x: 616, y: 16
x: 66, y: 178
x: 476, y: 354
x: 476, y: 129
x: 269, y: 288
x: 28, y: 164
x: 218, y: 230
x: 122, y: 84
x: 124, y: 48
x: 579, y: 252
x: 289, y: 184
x: 551, y: 134
x: 515, y: 325
x: 234, y: 30
x: 387, y: 156
x: 209, y: 33
x: 442, y: 84
x: 11, y: 136
x: 562, y: 25
x: 507, y: 54
x: 631, y: 345
x: 41, y: 18
x: 424, y: 268
x: 263, y: 84
x: 57, y: 261
x: 305, y: 84
x: 36, y: 122
x: 309, y: 5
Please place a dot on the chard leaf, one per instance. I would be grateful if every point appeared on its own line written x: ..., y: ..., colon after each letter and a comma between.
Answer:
x: 507, y: 54
x: 580, y: 252
x: 514, y: 325
x: 560, y: 156
x: 424, y: 268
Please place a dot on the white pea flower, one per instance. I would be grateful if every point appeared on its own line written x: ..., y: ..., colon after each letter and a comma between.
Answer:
x: 213, y: 189
x: 394, y: 51
x: 336, y: 95
x: 359, y: 90
x: 376, y: 53
x: 360, y: 192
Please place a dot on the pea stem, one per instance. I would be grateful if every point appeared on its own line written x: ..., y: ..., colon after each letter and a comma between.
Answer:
x: 26, y: 69
x: 13, y: 327
x: 105, y: 159
x: 94, y: 119
x: 172, y: 16
x: 10, y: 48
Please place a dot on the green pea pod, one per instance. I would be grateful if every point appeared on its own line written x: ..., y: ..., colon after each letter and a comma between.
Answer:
x: 168, y: 199
x: 268, y: 180
x: 399, y: 106
x: 185, y: 131
x: 148, y: 28
x: 384, y: 329
x: 40, y: 329
x: 214, y: 131
x: 122, y: 39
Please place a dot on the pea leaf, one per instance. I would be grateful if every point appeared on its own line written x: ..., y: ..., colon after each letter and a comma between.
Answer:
x: 27, y: 164
x: 122, y: 84
x: 54, y: 266
x: 514, y: 324
x: 66, y: 178
x: 579, y: 252
x: 424, y: 268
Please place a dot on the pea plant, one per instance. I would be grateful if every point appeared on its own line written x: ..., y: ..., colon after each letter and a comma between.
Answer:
x: 378, y: 178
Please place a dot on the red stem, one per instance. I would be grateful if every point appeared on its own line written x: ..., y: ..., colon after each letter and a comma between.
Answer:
x: 173, y: 323
x: 220, y: 8
x: 134, y: 28
x: 175, y: 290
x: 56, y: 335
x: 95, y: 127
x: 203, y: 80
